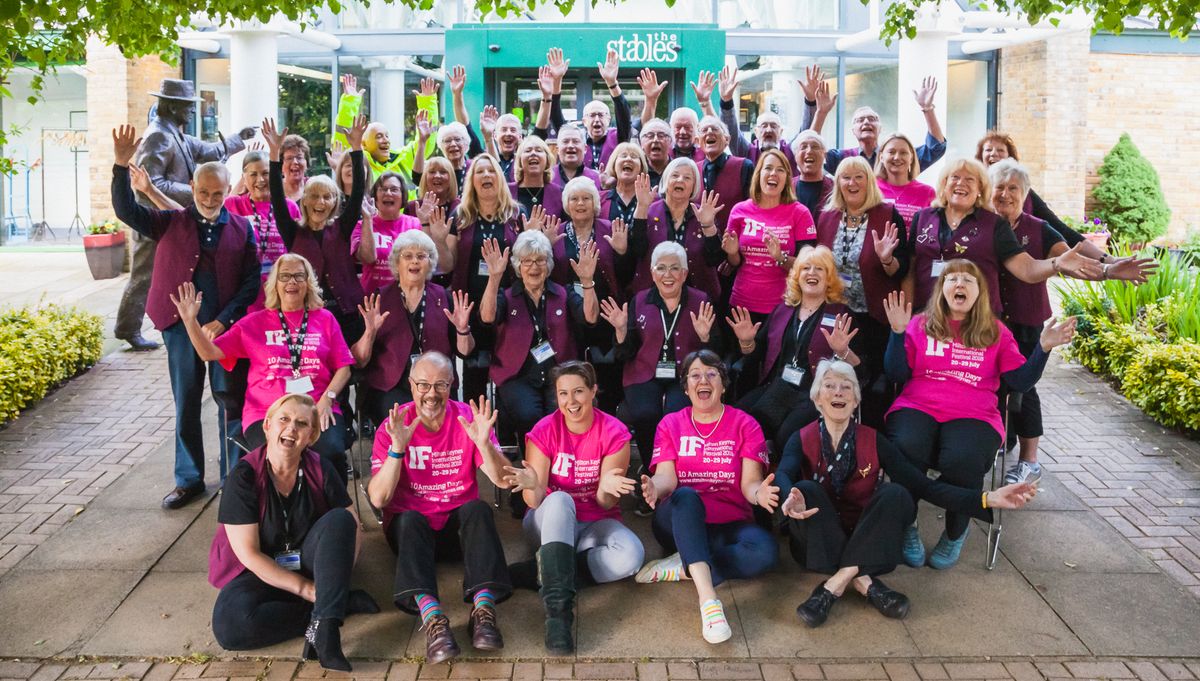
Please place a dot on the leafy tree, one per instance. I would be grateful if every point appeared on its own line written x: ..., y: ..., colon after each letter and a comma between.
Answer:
x: 1178, y: 17
x: 1128, y: 196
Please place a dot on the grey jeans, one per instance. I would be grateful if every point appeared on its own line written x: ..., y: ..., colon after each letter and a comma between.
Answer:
x: 613, y: 550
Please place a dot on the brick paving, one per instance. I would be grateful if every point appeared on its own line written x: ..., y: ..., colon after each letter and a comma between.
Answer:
x: 57, y: 456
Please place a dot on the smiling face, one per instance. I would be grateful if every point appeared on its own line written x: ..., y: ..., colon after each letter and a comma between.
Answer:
x: 209, y: 191
x: 484, y: 177
x: 852, y: 183
x: 713, y: 139
x: 865, y: 125
x: 291, y: 428
x: 581, y: 208
x: 412, y: 268
x: 570, y: 148
x: 768, y: 130
x: 533, y: 269
x: 814, y: 280
x: 962, y: 189
x: 575, y: 399
x: 377, y: 143
x: 1008, y: 199
x: 319, y: 203
x: 810, y: 155
x: 430, y: 384
x: 704, y: 387
x: 683, y: 128
x: 960, y: 290
x: 437, y: 179
x: 295, y: 164
x: 291, y: 284
x: 656, y: 143
x: 533, y: 159
x: 389, y: 198
x: 508, y: 134
x: 993, y: 150
x: 669, y: 276
x: 681, y: 183
x: 256, y: 175
x: 627, y: 165
x: 773, y: 176
x: 596, y: 119
x: 454, y: 146
x: 835, y: 397
x: 897, y: 159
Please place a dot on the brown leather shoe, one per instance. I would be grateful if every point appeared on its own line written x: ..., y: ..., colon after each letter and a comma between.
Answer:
x: 439, y: 641
x: 182, y: 496
x: 485, y: 634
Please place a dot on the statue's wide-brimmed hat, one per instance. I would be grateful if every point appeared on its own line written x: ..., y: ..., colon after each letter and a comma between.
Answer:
x: 177, y: 90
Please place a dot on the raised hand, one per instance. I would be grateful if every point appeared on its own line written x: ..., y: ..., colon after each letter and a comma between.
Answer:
x: 369, y: 310
x: 550, y: 227
x: 926, y: 93
x: 520, y: 478
x: 703, y: 86
x: 483, y: 419
x: 608, y: 70
x: 727, y: 83
x: 585, y: 267
x: 1130, y: 268
x: 839, y: 340
x: 334, y: 155
x: 458, y: 79
x: 616, y: 315
x: 460, y: 317
x: 1011, y: 497
x: 496, y: 259
x: 1056, y: 332
x: 619, y: 240
x: 439, y: 226
x: 273, y: 138
x: 794, y: 507
x: 813, y: 77
x: 898, y: 311
x: 125, y: 144
x: 247, y: 132
x: 350, y: 85
x: 188, y: 302
x: 545, y: 82
x: 139, y: 179
x: 767, y: 495
x: 424, y: 126
x: 774, y: 248
x: 536, y: 219
x: 648, y: 81
x: 397, y: 431
x: 355, y: 134
x: 743, y: 325
x: 643, y: 190
x: 706, y: 212
x: 426, y: 206
x: 429, y: 86
x: 1078, y: 265
x: 885, y: 246
x: 557, y: 65
x: 614, y: 484
x: 649, y: 491
x: 729, y: 242
x: 487, y: 120
x: 702, y: 323
x: 825, y: 100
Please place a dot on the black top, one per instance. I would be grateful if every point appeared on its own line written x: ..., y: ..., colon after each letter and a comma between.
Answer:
x: 710, y: 170
x: 240, y: 506
x: 351, y: 207
x: 809, y: 194
x: 1041, y: 210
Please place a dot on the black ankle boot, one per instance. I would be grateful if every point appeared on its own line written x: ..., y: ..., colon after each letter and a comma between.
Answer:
x: 524, y: 574
x: 556, y: 571
x: 323, y: 642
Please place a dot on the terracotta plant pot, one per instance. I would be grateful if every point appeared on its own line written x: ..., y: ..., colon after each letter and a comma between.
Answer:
x: 1098, y: 239
x: 105, y: 254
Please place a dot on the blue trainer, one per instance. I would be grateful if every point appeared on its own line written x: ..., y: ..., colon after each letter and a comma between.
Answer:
x: 946, y: 553
x: 914, y: 550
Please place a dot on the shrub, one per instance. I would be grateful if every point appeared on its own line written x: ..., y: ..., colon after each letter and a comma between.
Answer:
x: 1164, y: 381
x: 40, y: 348
x: 1119, y: 344
x: 1128, y: 196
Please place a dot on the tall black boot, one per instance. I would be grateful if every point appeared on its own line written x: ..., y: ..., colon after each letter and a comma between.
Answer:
x: 323, y: 642
x: 556, y: 572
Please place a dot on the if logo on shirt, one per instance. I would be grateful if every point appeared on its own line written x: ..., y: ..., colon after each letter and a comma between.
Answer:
x: 753, y: 228
x: 562, y: 464
x: 418, y: 456
x: 690, y: 445
x: 276, y: 337
x: 935, y: 347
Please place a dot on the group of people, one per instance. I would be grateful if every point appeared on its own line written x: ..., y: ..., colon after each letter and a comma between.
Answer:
x: 789, y: 336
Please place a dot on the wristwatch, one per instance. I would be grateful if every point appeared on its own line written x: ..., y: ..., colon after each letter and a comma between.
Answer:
x: 331, y: 395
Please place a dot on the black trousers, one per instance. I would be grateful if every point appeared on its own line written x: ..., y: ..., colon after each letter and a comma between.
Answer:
x: 961, y: 450
x: 379, y: 403
x: 779, y: 421
x: 332, y: 444
x: 470, y: 533
x: 523, y: 401
x: 821, y: 543
x: 870, y: 345
x: 1027, y: 421
x: 645, y: 405
x: 250, y: 614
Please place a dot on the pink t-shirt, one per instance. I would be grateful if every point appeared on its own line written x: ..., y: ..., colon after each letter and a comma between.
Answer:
x: 575, y: 459
x: 260, y: 337
x: 266, y: 234
x: 439, y: 467
x: 712, y: 465
x: 908, y: 199
x: 951, y: 381
x: 386, y: 231
x: 760, y: 282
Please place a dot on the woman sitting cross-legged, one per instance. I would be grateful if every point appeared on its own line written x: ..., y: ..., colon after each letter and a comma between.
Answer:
x: 573, y: 478
x: 708, y: 466
x: 286, y: 544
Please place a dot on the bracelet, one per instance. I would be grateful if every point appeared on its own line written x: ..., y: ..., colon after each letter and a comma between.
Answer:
x: 746, y: 344
x: 392, y: 454
x: 888, y: 263
x: 587, y: 287
x: 927, y: 109
x: 547, y: 101
x: 1104, y: 273
x: 463, y: 333
x: 985, y: 500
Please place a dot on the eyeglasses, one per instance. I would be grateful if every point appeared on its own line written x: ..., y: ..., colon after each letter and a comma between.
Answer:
x: 530, y: 262
x: 710, y: 376
x: 391, y: 190
x: 422, y: 256
x: 655, y: 135
x: 294, y: 159
x: 425, y: 386
x: 668, y: 269
x: 867, y: 119
x: 297, y: 277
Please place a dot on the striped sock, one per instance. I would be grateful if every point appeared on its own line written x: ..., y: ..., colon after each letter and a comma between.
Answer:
x: 711, y: 613
x: 484, y: 599
x: 429, y: 607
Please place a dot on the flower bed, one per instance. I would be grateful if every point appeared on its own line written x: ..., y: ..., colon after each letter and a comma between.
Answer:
x: 40, y: 348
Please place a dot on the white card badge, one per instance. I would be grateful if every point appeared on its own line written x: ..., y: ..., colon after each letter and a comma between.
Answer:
x: 483, y: 268
x: 938, y: 266
x: 578, y: 289
x: 288, y: 560
x: 793, y: 374
x: 301, y: 385
x: 542, y: 352
x: 829, y: 320
x: 665, y: 370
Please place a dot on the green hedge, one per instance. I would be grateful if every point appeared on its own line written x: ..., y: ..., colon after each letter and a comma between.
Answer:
x: 40, y: 348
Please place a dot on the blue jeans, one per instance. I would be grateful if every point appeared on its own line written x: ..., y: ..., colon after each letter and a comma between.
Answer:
x: 736, y: 550
x: 187, y: 387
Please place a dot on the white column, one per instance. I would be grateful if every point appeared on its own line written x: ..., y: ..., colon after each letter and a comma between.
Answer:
x: 253, y: 77
x: 921, y: 57
x: 387, y: 99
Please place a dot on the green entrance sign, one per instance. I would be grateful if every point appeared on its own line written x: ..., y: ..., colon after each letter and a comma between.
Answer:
x: 678, y: 52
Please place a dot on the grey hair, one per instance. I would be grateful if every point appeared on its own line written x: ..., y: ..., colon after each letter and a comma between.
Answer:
x: 437, y: 359
x: 215, y: 168
x: 413, y: 237
x: 571, y: 128
x: 687, y: 163
x: 840, y: 368
x: 669, y: 248
x: 255, y: 157
x: 450, y: 128
x: 1009, y: 169
x: 684, y: 112
x: 806, y: 135
x: 581, y: 184
x: 713, y: 120
x: 532, y: 242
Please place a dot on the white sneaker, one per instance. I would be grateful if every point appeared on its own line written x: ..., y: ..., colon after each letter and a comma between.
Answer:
x: 1024, y: 471
x: 669, y: 569
x: 714, y: 626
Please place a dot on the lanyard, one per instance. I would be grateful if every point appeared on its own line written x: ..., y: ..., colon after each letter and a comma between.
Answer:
x: 537, y: 312
x: 416, y: 320
x: 286, y: 506
x: 295, y: 344
x: 669, y: 331
x: 573, y: 239
x: 677, y: 230
x: 815, y: 317
x: 260, y: 233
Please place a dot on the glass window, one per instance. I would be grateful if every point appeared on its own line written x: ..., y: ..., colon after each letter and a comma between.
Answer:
x: 771, y: 83
x: 305, y: 100
x: 778, y: 14
x: 873, y: 83
x: 212, y: 86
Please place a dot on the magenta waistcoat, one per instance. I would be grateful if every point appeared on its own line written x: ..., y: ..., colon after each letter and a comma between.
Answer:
x: 700, y: 274
x: 1027, y: 304
x: 394, y: 341
x: 334, y: 264
x: 610, y: 143
x: 818, y: 347
x: 514, y: 333
x: 646, y: 317
x: 876, y: 282
x: 464, y: 267
x: 556, y: 177
x: 863, y: 480
x: 562, y: 273
x: 552, y: 201
x: 176, y: 257
x: 973, y: 240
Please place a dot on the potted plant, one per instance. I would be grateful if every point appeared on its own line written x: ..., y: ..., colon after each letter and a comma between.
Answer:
x: 1094, y: 230
x: 104, y: 246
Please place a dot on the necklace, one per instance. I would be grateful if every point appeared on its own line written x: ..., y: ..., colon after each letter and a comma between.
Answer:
x: 696, y: 427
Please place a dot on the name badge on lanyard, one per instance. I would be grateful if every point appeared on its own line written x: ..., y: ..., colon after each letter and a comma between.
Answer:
x: 542, y: 352
x: 299, y: 385
x: 288, y: 560
x: 483, y: 268
x: 829, y: 320
x: 793, y: 374
x: 665, y: 367
x: 936, y: 270
x: 665, y: 370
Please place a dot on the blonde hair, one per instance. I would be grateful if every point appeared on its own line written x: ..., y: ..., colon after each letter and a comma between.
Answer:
x: 533, y: 141
x: 444, y: 164
x: 871, y: 187
x: 914, y: 165
x: 789, y: 193
x: 311, y: 187
x: 312, y: 297
x: 822, y: 257
x: 984, y: 200
x: 468, y: 209
x: 305, y: 401
x: 610, y: 168
x: 978, y: 330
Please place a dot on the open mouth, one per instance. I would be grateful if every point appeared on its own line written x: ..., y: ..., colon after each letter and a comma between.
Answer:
x: 711, y: 140
x: 575, y: 410
x: 812, y: 281
x: 771, y: 183
x: 704, y: 393
x: 960, y: 298
x: 838, y: 404
x: 289, y: 442
x: 627, y: 166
